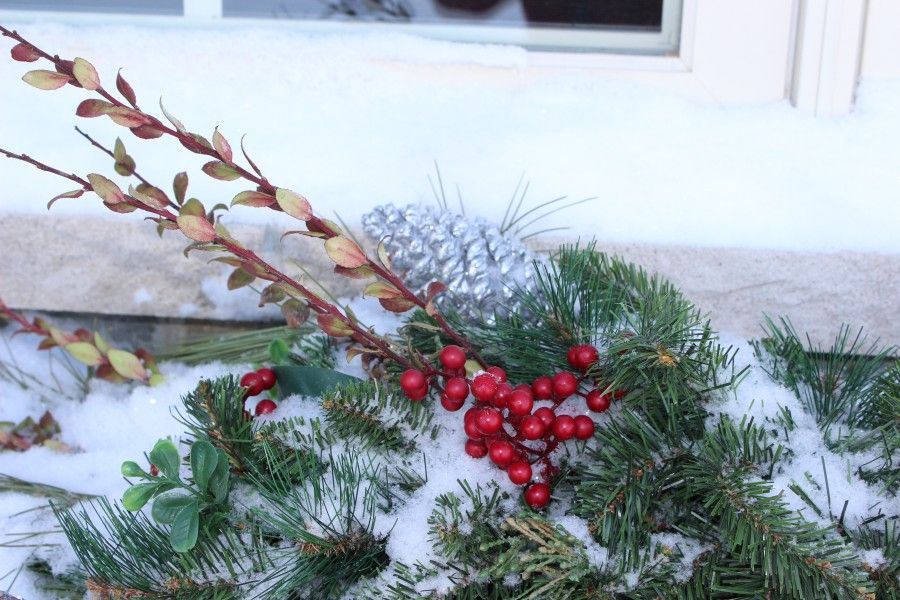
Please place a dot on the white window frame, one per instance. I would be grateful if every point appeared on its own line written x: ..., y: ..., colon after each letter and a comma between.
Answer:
x: 810, y: 51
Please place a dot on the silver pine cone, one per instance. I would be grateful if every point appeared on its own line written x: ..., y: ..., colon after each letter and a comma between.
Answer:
x: 481, y: 266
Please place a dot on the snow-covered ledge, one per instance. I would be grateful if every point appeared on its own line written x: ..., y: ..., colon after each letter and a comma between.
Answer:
x: 123, y: 268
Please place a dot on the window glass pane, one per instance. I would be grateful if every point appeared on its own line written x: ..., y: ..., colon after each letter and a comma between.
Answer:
x: 156, y: 7
x: 634, y: 15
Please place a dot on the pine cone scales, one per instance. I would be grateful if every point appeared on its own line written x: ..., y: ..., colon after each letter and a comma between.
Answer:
x: 481, y: 266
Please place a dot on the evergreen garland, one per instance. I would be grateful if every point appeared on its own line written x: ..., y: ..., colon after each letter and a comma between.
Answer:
x: 678, y: 500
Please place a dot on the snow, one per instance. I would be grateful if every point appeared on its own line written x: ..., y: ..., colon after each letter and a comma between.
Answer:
x: 357, y: 120
x: 833, y: 484
x: 113, y: 423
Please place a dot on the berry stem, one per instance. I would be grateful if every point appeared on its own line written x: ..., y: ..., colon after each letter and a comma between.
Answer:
x: 313, y: 223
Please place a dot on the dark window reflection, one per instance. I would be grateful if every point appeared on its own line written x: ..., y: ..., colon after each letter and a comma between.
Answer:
x: 629, y: 14
x: 156, y: 7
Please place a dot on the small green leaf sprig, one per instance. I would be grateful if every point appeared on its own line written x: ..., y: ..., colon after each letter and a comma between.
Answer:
x: 176, y: 502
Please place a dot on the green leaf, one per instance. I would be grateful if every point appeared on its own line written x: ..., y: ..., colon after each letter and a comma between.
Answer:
x: 126, y: 364
x: 166, y: 507
x: 45, y: 80
x: 308, y: 381
x: 185, y: 528
x: 138, y: 495
x: 84, y: 353
x: 279, y: 351
x: 165, y: 456
x: 132, y: 469
x: 218, y: 483
x: 203, y: 463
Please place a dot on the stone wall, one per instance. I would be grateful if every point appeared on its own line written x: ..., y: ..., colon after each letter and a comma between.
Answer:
x: 84, y: 265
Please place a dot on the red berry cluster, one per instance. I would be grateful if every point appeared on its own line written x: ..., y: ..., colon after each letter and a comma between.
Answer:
x: 256, y: 383
x: 502, y: 422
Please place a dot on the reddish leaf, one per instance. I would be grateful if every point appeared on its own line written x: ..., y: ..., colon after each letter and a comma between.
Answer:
x: 46, y: 80
x: 106, y: 189
x: 271, y: 294
x: 86, y: 74
x: 363, y: 272
x: 254, y: 199
x: 293, y: 204
x: 92, y: 107
x: 219, y: 170
x: 434, y: 288
x: 381, y: 289
x: 125, y: 89
x: 127, y: 117
x: 396, y: 305
x: 333, y: 326
x: 193, y: 223
x: 239, y: 278
x: 222, y: 146
x: 344, y: 252
x: 127, y: 364
x: 295, y: 313
x: 24, y: 53
x: 180, y: 184
x: 84, y: 352
x: 46, y: 344
x: 72, y: 194
x: 146, y: 132
x: 149, y: 195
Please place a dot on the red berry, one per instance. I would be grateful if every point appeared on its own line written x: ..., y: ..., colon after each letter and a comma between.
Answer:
x: 597, y: 401
x: 412, y: 380
x: 453, y: 357
x: 504, y: 390
x: 154, y: 470
x: 470, y: 414
x: 252, y: 382
x: 267, y: 377
x: 619, y: 394
x: 451, y: 404
x: 542, y: 387
x: 546, y: 415
x: 476, y: 448
x: 584, y: 427
x: 585, y: 356
x: 498, y: 373
x: 457, y: 388
x: 564, y: 427
x: 532, y: 428
x: 488, y: 421
x: 564, y: 384
x: 501, y: 453
x: 519, y: 472
x: 572, y: 356
x: 520, y: 402
x: 419, y: 394
x: 537, y: 496
x: 265, y: 407
x: 472, y: 430
x: 484, y: 387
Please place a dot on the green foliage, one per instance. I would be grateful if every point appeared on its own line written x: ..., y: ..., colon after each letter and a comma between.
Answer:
x: 275, y: 345
x: 852, y: 389
x: 678, y: 503
x: 176, y: 503
x: 308, y: 381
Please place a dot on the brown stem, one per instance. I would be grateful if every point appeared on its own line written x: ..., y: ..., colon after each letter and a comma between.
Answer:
x: 39, y: 165
x: 313, y: 223
x: 19, y: 318
x: 100, y: 146
x: 315, y: 302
